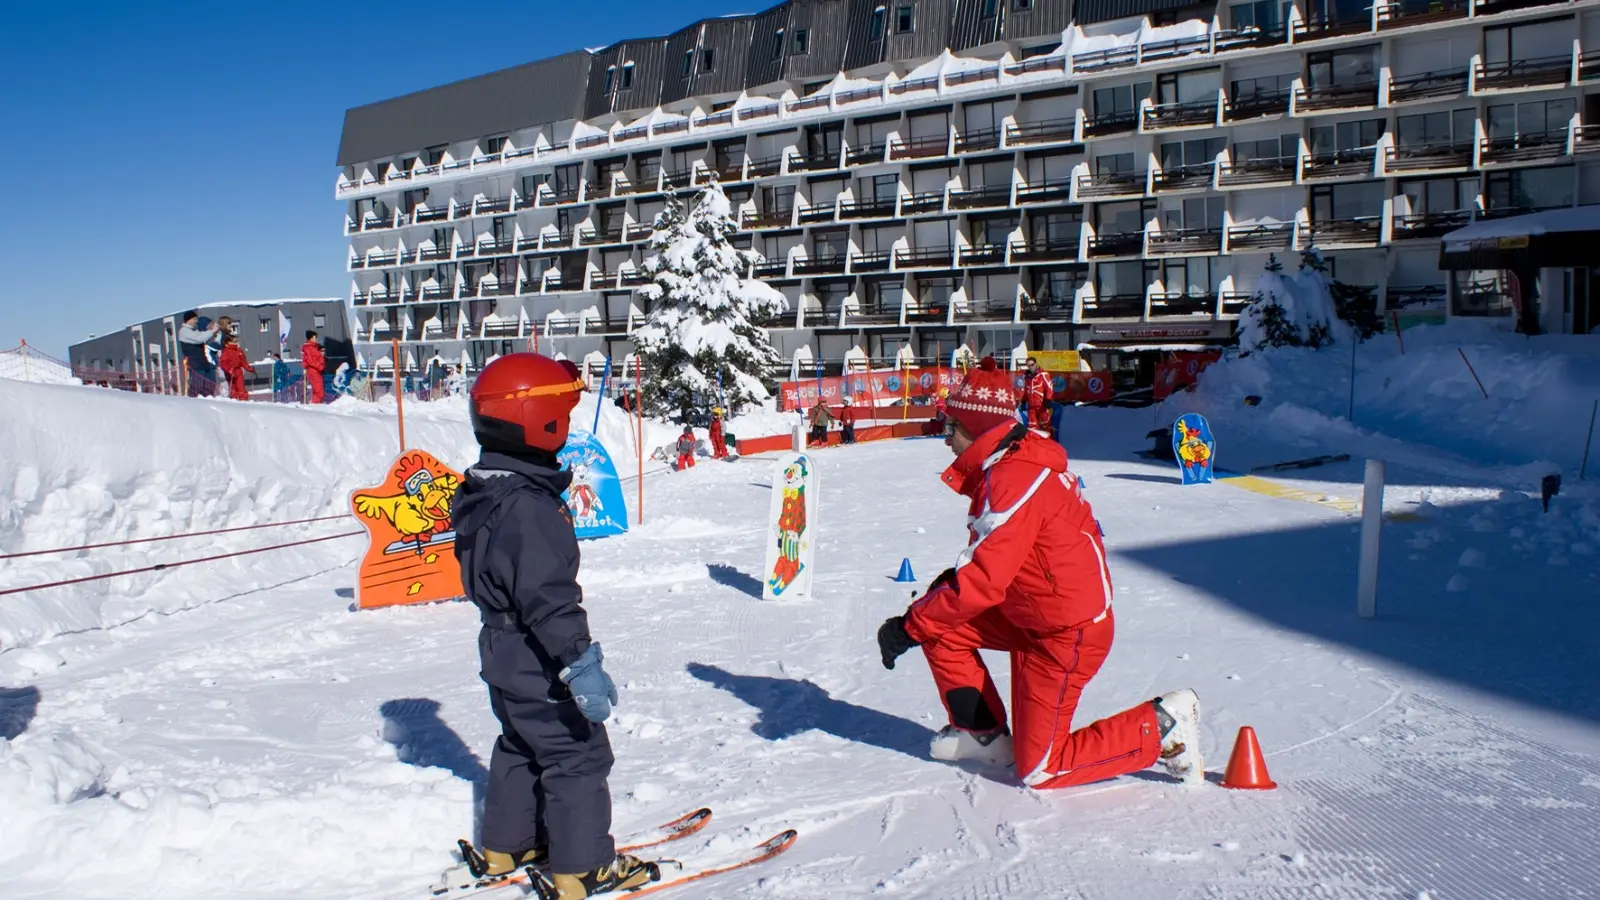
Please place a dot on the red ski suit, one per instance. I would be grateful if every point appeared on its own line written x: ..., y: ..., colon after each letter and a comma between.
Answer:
x: 1033, y: 581
x: 312, y: 360
x: 719, y: 448
x: 1040, y: 393
x: 234, y: 364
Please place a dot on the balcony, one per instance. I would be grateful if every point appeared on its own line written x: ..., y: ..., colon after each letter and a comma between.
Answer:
x: 778, y: 218
x: 1425, y: 296
x: 378, y: 260
x: 1419, y: 12
x: 832, y: 264
x: 1037, y: 64
x: 922, y: 204
x: 677, y: 179
x: 1357, y: 231
x: 978, y: 140
x: 499, y: 247
x: 1120, y: 122
x: 1261, y: 171
x: 919, y: 148
x: 1268, y: 236
x: 1049, y: 250
x: 1257, y: 105
x: 1320, y: 98
x: 1047, y: 131
x: 1428, y: 86
x: 1523, y: 148
x: 634, y: 189
x: 1319, y: 28
x: 1586, y: 139
x: 505, y: 288
x: 559, y: 240
x: 1354, y: 163
x: 1114, y: 306
x: 766, y: 167
x: 1186, y: 242
x: 866, y: 154
x: 610, y: 234
x: 438, y: 291
x: 633, y: 277
x: 868, y: 209
x: 1049, y: 191
x: 436, y: 214
x: 913, y: 85
x: 1523, y: 73
x: 813, y: 162
x: 928, y: 312
x: 1111, y: 184
x: 987, y: 311
x: 1250, y: 38
x: 1177, y: 48
x: 1200, y: 114
x: 634, y: 232
x: 1183, y: 178
x: 1116, y: 243
x: 1429, y: 225
x: 1428, y: 157
x: 1490, y: 7
x: 434, y: 254
x: 1170, y: 305
x: 818, y: 214
x: 1048, y: 307
x: 602, y: 325
x: 564, y: 196
x: 983, y: 255
x: 925, y: 258
x: 492, y: 207
x: 876, y: 261
x: 987, y: 197
x: 870, y: 313
x: 1234, y: 302
x: 728, y: 171
x: 1101, y: 60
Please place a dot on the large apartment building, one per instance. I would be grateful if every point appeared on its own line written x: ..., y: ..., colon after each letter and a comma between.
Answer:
x: 922, y: 176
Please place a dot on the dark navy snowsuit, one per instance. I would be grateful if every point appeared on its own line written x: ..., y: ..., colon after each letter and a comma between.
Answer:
x: 519, y: 564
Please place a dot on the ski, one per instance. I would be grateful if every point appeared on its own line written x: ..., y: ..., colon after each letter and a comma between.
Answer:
x: 465, y: 880
x: 762, y: 852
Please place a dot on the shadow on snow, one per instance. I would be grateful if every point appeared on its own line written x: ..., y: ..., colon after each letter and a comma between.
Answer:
x: 421, y: 738
x: 17, y: 709
x: 728, y: 576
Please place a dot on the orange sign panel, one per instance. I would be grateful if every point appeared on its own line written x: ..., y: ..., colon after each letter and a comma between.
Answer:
x: 411, y: 557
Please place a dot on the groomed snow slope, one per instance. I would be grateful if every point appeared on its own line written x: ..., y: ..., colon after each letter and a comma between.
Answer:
x: 267, y: 742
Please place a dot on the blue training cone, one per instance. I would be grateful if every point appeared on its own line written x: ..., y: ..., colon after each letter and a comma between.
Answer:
x: 905, y: 571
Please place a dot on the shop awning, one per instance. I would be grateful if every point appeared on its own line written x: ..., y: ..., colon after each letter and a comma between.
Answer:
x: 1555, y: 238
x: 1130, y: 347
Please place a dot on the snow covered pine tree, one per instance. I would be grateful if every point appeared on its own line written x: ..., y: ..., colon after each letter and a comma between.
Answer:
x: 704, y: 306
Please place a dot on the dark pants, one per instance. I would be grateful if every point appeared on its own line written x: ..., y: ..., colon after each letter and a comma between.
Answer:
x: 819, y: 435
x: 849, y: 435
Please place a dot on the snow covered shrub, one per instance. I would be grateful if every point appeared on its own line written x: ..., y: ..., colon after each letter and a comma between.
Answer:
x: 1291, y: 311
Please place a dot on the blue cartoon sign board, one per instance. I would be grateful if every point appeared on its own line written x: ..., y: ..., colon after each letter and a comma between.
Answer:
x: 595, y: 496
x: 1194, y: 448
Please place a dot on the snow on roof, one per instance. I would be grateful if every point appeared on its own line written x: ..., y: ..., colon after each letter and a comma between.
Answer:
x: 1580, y: 218
x: 225, y: 303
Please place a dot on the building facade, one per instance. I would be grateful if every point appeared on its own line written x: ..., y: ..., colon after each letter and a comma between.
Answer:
x: 930, y: 177
x: 150, y: 348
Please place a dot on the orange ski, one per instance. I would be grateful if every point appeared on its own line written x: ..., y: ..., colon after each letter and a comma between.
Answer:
x: 763, y: 851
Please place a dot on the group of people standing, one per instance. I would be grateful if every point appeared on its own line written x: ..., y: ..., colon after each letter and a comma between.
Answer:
x: 688, y: 443
x: 212, y: 355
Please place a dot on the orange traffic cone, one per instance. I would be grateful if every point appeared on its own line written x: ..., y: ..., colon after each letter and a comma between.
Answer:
x: 1247, y: 768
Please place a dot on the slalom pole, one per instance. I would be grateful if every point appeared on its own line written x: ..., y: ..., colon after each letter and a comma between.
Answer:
x: 1473, y: 371
x: 399, y: 395
x: 1395, y: 315
x: 1350, y: 414
x: 1584, y: 469
x: 638, y: 411
x: 605, y: 379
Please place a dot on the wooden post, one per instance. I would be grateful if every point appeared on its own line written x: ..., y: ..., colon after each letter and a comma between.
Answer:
x: 1583, y: 469
x: 1395, y: 315
x: 399, y: 395
x: 1371, y: 534
x: 1473, y: 371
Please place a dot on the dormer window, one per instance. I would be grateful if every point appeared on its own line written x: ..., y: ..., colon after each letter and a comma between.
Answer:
x: 627, y: 76
x: 708, y: 59
x: 611, y: 77
x: 777, y: 44
x: 875, y: 29
x: 688, y: 62
x: 494, y: 145
x: 905, y: 18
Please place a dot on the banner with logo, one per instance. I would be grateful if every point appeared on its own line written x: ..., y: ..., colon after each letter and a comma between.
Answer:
x: 1180, y: 370
x: 595, y: 496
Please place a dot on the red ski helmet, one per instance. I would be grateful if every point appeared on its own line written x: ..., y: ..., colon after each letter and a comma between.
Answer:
x: 523, y: 401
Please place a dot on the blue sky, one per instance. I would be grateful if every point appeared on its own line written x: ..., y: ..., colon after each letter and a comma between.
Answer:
x: 162, y: 155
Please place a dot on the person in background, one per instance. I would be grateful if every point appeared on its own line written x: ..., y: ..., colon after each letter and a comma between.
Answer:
x: 847, y: 422
x: 314, y: 364
x: 686, y: 447
x: 941, y: 415
x: 192, y: 340
x: 820, y: 417
x: 1038, y: 392
x: 280, y: 377
x: 719, y: 447
x: 234, y: 364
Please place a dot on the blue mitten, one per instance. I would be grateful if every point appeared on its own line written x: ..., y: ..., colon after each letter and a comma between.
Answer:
x: 592, y: 688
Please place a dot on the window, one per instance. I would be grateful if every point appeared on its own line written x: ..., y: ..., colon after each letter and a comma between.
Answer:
x: 688, y: 62
x: 1534, y: 118
x: 991, y: 8
x: 1122, y: 100
x: 494, y: 145
x: 777, y: 44
x: 319, y: 321
x: 627, y: 76
x: 905, y: 19
x: 1257, y: 88
x: 1348, y: 201
x: 266, y: 326
x: 708, y: 59
x: 1440, y: 195
x: 435, y: 155
x: 875, y: 28
x: 1266, y: 15
x: 1528, y: 189
x: 1022, y: 5
x: 1284, y: 147
x: 802, y: 41
x: 1446, y: 127
x: 1039, y: 49
x: 1344, y: 68
x: 1195, y: 213
x: 1200, y: 152
x: 1345, y: 136
x: 611, y: 77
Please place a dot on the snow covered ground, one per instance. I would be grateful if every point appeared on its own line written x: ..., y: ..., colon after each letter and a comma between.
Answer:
x: 235, y: 731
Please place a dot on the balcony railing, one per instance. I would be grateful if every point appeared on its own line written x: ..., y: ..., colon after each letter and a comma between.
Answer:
x: 1234, y: 302
x: 1111, y: 184
x: 1358, y: 231
x: 981, y: 197
x: 1052, y: 190
x: 1353, y: 163
x: 1524, y: 147
x: 1428, y: 157
x: 1521, y: 73
x: 611, y: 234
x: 431, y: 254
x: 1269, y: 236
x: 677, y: 179
x: 1048, y: 307
x: 1037, y: 64
x: 778, y: 218
x: 766, y: 167
x: 1118, y: 122
x: 1111, y: 58
x: 1250, y: 38
x: 496, y: 247
x: 802, y: 162
x: 986, y: 311
x: 1258, y: 171
x: 636, y: 276
x: 637, y: 231
x: 635, y: 188
x: 919, y: 148
x: 978, y: 140
x: 1182, y: 178
x: 436, y: 214
x: 1050, y: 250
x: 925, y: 258
x: 1200, y: 113
x: 1428, y: 86
x: 728, y: 171
x: 1316, y: 28
x: 1336, y: 96
x: 1490, y: 7
x: 1116, y: 243
x: 820, y: 265
x: 1586, y: 139
x: 1429, y: 225
x: 1156, y: 51
x: 1257, y: 104
x: 566, y: 195
x: 1047, y: 131
x: 983, y: 255
x: 1186, y: 241
x: 876, y: 261
x: 927, y: 311
x: 868, y: 209
x: 820, y: 213
x: 1188, y: 305
x: 1114, y: 306
x: 922, y: 204
x: 870, y: 313
x: 1420, y: 12
x: 866, y: 154
x: 1432, y: 295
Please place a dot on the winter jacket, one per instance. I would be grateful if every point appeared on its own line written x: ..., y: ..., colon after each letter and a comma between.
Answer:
x: 1034, y: 552
x: 847, y: 415
x: 1039, y: 390
x: 686, y: 443
x: 820, y: 417
x: 192, y: 341
x: 519, y: 565
x: 234, y: 361
x: 311, y: 358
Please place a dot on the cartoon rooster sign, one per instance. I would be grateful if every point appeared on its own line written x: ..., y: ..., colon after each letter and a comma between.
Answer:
x: 1194, y: 448
x: 420, y: 512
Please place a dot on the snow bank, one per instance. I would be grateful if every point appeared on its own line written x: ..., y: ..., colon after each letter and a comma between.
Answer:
x: 1541, y: 391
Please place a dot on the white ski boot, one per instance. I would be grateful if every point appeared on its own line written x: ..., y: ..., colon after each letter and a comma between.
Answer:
x: 1178, y: 714
x: 952, y: 744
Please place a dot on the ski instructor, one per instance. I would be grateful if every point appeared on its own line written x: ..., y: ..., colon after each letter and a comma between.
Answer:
x: 1033, y: 582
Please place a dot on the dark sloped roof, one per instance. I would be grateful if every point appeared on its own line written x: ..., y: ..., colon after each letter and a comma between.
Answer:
x: 1088, y: 12
x: 547, y: 90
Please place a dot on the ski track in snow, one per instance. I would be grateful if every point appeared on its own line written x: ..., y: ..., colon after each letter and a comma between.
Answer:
x: 278, y: 744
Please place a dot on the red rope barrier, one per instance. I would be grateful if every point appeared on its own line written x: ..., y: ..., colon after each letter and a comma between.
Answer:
x: 188, y: 562
x: 172, y: 537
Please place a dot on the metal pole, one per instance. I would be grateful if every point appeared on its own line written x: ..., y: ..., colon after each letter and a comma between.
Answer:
x: 399, y: 395
x: 1371, y: 533
x: 1350, y: 413
x: 1473, y: 371
x: 605, y: 379
x: 638, y: 409
x: 1583, y: 469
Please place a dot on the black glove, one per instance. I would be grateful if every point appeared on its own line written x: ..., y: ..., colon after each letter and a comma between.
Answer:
x: 948, y: 576
x: 893, y: 640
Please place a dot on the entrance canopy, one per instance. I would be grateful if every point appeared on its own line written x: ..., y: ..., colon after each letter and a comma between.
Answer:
x: 1556, y: 238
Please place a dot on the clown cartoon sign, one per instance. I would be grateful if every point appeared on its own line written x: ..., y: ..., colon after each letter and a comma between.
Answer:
x: 791, y: 529
x: 595, y: 496
x: 411, y: 551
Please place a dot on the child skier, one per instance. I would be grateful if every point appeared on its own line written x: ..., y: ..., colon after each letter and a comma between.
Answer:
x: 314, y: 363
x: 234, y: 364
x: 719, y: 447
x: 548, y: 803
x: 686, y: 448
x: 1033, y: 581
x: 847, y: 422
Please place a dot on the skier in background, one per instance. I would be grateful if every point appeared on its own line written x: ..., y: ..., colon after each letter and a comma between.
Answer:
x: 280, y: 378
x: 314, y: 364
x: 548, y: 803
x: 847, y: 422
x: 686, y: 446
x: 1039, y: 394
x: 1032, y: 581
x: 719, y: 447
x: 820, y: 417
x: 941, y: 413
x: 234, y: 364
